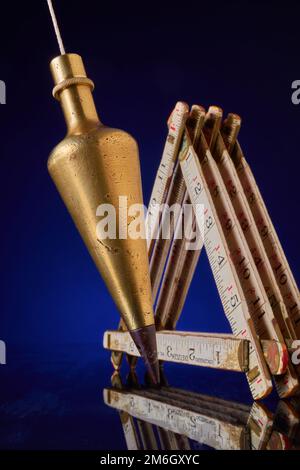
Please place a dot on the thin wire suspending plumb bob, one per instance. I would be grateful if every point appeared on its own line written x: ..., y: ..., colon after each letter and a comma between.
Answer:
x: 56, y: 28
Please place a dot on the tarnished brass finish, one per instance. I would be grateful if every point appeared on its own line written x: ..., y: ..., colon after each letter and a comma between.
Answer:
x: 96, y: 165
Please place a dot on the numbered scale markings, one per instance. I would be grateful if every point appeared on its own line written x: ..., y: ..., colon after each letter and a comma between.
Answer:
x: 225, y: 275
x: 203, y: 164
x: 163, y: 178
x: 225, y: 352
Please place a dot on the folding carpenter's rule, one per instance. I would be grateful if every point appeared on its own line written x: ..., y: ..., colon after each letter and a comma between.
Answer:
x: 203, y: 165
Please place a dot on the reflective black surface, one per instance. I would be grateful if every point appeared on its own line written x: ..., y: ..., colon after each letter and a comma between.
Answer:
x: 53, y: 399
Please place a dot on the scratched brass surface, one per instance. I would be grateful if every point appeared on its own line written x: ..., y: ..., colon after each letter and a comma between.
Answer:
x: 93, y: 165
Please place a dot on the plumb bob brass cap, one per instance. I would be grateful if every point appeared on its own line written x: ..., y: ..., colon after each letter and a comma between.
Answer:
x: 68, y: 70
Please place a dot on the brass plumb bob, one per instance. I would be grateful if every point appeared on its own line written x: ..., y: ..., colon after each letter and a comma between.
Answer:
x: 93, y: 165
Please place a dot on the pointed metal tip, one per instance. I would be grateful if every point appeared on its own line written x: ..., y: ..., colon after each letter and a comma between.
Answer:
x: 153, y: 371
x: 145, y: 340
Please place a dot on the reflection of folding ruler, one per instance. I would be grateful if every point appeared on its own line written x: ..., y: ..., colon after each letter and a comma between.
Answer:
x: 204, y: 164
x: 175, y: 419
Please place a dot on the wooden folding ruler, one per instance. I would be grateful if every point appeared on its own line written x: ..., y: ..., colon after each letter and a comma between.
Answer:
x: 203, y: 165
x: 176, y: 419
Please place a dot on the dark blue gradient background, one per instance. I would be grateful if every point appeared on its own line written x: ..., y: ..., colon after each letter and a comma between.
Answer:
x: 143, y: 57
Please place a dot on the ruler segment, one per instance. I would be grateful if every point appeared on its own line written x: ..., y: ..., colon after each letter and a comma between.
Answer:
x: 162, y: 245
x: 257, y: 300
x: 189, y: 259
x: 260, y: 424
x: 164, y: 174
x: 183, y: 442
x: 117, y: 357
x: 147, y: 434
x: 229, y: 131
x: 182, y: 262
x: 252, y: 255
x: 215, y: 432
x: 171, y: 217
x: 127, y: 422
x: 283, y: 274
x: 168, y: 439
x: 278, y: 441
x: 222, y: 265
x: 219, y: 352
x: 179, y: 270
x: 225, y: 352
x: 129, y: 430
x: 185, y: 272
